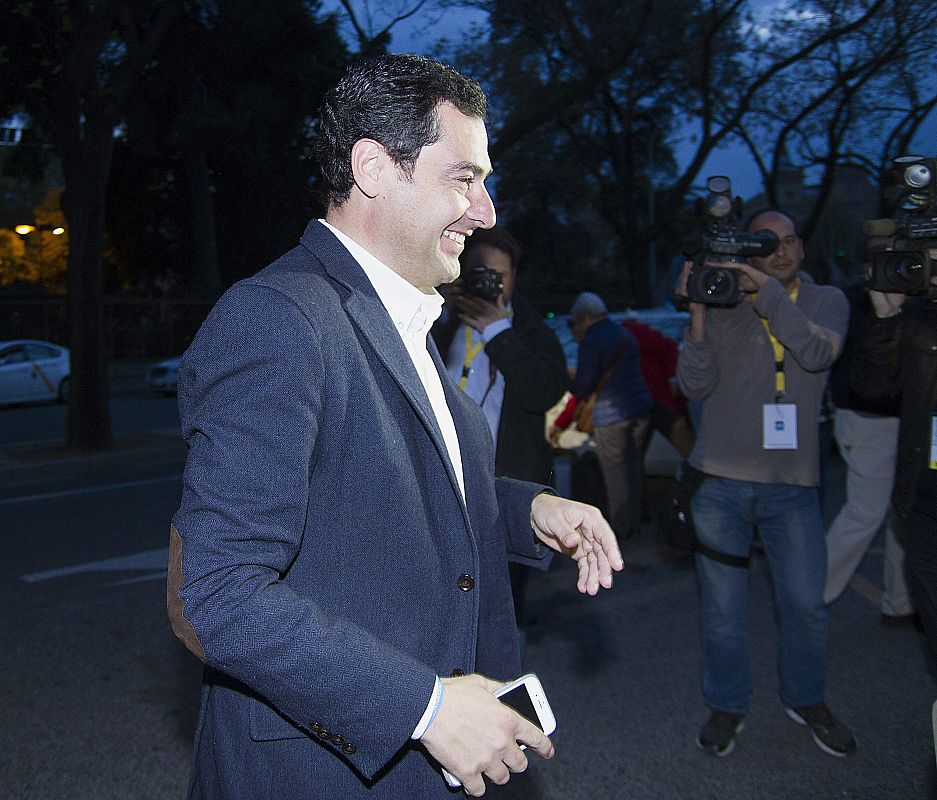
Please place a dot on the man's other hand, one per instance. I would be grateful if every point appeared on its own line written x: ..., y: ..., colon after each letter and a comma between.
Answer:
x: 581, y: 532
x: 478, y: 312
x: 474, y: 735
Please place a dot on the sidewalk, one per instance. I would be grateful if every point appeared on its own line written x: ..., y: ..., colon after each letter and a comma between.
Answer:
x: 51, y: 465
x: 50, y: 460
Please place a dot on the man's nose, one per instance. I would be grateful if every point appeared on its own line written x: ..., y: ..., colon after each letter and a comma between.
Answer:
x: 482, y: 209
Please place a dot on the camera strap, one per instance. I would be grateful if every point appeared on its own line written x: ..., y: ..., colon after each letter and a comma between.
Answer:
x: 779, y: 383
x: 471, y: 350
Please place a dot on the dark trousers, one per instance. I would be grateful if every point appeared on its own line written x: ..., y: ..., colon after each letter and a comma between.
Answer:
x: 921, y: 564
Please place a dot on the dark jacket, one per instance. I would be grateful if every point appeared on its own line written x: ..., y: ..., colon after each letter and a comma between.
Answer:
x: 531, y: 359
x: 842, y: 391
x: 624, y: 395
x: 899, y: 359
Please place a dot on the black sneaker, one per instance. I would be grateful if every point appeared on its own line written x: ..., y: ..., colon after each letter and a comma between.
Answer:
x: 829, y: 733
x: 717, y: 736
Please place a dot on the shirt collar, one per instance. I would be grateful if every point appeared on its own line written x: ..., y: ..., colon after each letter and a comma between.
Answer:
x: 412, y: 312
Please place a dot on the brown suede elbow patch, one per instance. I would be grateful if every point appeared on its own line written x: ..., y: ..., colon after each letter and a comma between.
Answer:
x: 180, y: 625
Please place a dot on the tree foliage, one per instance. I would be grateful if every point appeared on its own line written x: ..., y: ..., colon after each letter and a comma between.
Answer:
x: 210, y: 98
x: 620, y: 89
x: 219, y: 144
x: 73, y: 67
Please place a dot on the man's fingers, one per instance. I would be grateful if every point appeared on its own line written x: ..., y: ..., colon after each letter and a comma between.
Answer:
x: 528, y: 733
x: 499, y: 774
x: 515, y: 760
x: 474, y: 786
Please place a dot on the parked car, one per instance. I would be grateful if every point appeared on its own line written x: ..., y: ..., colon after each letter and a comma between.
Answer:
x: 163, y: 376
x: 32, y: 370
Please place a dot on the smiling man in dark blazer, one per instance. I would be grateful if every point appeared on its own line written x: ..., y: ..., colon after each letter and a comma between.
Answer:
x: 339, y: 558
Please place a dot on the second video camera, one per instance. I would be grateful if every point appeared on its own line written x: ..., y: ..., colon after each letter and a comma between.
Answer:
x: 713, y: 280
x: 908, y: 260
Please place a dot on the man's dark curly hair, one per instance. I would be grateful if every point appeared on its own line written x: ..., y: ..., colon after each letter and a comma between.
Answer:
x: 391, y: 99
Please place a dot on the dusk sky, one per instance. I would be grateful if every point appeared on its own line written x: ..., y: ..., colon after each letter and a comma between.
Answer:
x: 419, y: 34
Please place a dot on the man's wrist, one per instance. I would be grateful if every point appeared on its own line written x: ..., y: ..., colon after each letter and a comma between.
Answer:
x: 493, y: 329
x: 432, y: 709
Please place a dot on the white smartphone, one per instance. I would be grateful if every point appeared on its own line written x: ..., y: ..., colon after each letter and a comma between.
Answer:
x: 527, y: 698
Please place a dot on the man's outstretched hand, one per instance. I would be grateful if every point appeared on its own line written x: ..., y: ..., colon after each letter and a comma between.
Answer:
x: 581, y: 532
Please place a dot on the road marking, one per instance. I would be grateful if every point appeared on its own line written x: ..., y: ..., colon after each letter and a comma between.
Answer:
x: 31, y: 498
x: 148, y: 560
x: 159, y: 575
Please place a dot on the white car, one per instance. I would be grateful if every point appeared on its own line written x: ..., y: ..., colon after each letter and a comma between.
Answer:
x: 32, y: 370
x: 163, y: 376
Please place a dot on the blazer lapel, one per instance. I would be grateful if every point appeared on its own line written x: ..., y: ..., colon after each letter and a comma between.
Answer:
x: 368, y: 314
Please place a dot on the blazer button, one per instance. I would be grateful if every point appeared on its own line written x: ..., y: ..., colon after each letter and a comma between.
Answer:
x: 322, y: 733
x: 456, y: 673
x: 337, y: 739
x: 349, y: 749
x: 315, y: 727
x: 466, y: 583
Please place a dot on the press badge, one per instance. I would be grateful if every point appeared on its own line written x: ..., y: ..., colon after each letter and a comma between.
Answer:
x: 780, y: 426
x: 933, y: 442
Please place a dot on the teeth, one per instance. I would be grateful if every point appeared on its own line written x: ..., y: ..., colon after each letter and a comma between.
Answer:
x: 456, y: 237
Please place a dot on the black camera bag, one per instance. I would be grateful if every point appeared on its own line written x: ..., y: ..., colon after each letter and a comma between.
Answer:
x: 675, y: 520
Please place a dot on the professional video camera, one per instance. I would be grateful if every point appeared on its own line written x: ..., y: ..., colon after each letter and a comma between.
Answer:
x: 483, y: 282
x: 713, y: 280
x: 907, y: 262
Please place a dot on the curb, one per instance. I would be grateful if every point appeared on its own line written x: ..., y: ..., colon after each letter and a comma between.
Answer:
x: 51, y: 460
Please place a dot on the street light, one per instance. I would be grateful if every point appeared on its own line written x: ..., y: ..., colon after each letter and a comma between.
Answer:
x: 25, y: 230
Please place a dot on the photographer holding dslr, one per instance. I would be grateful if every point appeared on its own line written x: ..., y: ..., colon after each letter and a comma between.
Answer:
x: 757, y: 356
x: 897, y: 358
x: 499, y: 351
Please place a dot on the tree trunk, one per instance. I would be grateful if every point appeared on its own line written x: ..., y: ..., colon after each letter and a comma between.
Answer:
x: 88, y: 419
x: 202, y: 209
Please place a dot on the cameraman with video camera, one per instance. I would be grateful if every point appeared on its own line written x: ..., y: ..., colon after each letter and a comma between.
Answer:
x: 757, y: 355
x: 897, y: 358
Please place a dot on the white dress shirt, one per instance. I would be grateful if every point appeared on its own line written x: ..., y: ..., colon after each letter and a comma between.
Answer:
x: 413, y: 314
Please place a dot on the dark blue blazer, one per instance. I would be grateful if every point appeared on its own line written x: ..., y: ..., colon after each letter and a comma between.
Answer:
x: 322, y: 561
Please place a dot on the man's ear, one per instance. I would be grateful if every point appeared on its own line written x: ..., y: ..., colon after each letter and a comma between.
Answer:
x: 369, y: 165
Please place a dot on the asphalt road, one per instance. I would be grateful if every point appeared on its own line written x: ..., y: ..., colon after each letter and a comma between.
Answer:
x: 134, y: 408
x: 98, y: 700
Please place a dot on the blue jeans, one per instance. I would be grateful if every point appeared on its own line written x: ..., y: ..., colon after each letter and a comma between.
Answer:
x: 790, y: 528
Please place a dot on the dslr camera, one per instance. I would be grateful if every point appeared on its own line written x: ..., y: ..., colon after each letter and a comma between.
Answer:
x: 907, y: 263
x: 484, y: 282
x: 713, y: 280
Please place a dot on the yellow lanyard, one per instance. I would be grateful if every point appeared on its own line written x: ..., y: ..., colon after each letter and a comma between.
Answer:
x: 779, y: 351
x: 471, y: 350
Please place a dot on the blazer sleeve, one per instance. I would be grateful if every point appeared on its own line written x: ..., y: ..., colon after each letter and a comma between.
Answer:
x: 252, y: 388
x: 514, y: 500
